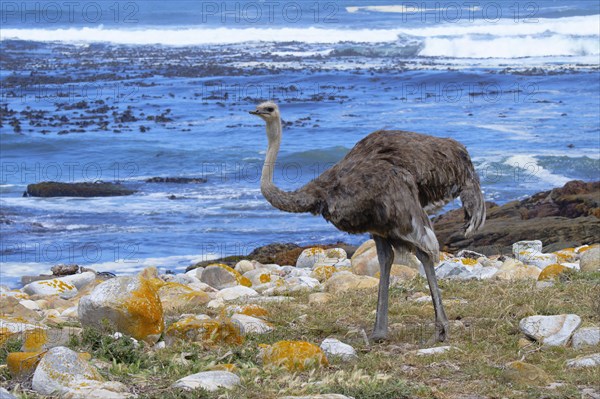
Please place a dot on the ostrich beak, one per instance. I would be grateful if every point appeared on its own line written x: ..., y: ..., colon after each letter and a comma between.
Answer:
x: 258, y: 112
x: 253, y: 112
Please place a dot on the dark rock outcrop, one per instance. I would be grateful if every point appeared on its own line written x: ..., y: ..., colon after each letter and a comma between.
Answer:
x: 178, y: 180
x: 57, y: 189
x: 560, y: 218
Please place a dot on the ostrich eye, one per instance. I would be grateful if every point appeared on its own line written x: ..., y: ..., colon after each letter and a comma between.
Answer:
x: 270, y: 109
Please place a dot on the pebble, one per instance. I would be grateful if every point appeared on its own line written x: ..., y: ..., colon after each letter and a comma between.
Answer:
x: 209, y: 380
x: 310, y: 256
x: 433, y: 351
x: 590, y: 260
x: 585, y: 361
x: 334, y: 348
x: 525, y: 374
x: 237, y: 292
x: 250, y: 325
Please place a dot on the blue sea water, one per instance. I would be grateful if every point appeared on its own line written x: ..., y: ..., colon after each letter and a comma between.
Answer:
x: 517, y: 82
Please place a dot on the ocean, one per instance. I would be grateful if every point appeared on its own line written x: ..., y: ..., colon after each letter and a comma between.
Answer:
x: 129, y: 90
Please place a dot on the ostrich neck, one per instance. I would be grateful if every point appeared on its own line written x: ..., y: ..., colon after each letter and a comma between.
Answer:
x: 274, y: 136
x: 295, y: 201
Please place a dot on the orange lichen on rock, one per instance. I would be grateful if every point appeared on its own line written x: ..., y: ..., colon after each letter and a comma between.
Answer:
x: 211, y: 331
x: 552, y: 271
x: 232, y: 368
x: 566, y: 255
x: 264, y: 278
x: 468, y: 261
x: 254, y: 310
x: 59, y: 285
x: 23, y: 363
x: 293, y: 355
x: 175, y: 295
x: 34, y: 340
x: 5, y: 335
x: 245, y: 281
x: 323, y: 272
x: 146, y: 308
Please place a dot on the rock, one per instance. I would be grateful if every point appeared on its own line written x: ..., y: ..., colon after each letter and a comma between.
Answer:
x: 433, y: 351
x: 21, y: 364
x: 483, y: 273
x: 174, y: 296
x: 177, y: 180
x: 321, y: 396
x: 454, y: 269
x: 57, y: 189
x: 365, y: 261
x: 592, y: 360
x: 279, y: 253
x: 64, y: 270
x: 525, y: 374
x: 587, y: 336
x: 64, y: 372
x: 259, y: 276
x: 11, y: 306
x: 552, y: 271
x: 41, y: 339
x: 319, y: 298
x: 310, y: 256
x: 244, y: 266
x: 334, y: 348
x: 201, y: 328
x: 249, y: 310
x: 322, y: 271
x: 55, y: 286
x: 590, y: 260
x: 237, y: 292
x: 196, y: 273
x: 522, y: 248
x: 131, y: 305
x: 4, y: 394
x: 563, y: 217
x: 293, y: 355
x: 566, y: 255
x: 465, y: 253
x: 335, y: 255
x: 221, y: 276
x: 401, y: 273
x: 515, y: 270
x: 250, y: 325
x: 346, y: 281
x: 550, y: 330
x: 209, y: 380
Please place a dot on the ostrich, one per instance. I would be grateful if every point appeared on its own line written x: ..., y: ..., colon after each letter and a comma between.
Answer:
x: 384, y: 186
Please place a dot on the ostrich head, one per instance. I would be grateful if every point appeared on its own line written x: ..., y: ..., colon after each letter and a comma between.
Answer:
x: 268, y: 111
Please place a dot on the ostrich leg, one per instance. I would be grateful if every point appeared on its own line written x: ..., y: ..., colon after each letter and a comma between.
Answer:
x: 385, y: 255
x: 441, y: 321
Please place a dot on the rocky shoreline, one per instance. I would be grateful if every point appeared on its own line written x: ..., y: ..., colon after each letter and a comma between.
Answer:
x: 218, y: 305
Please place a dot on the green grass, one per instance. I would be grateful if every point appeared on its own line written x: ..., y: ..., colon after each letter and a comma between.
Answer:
x: 484, y: 319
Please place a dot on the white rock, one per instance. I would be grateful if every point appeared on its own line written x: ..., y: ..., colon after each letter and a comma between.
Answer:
x: 79, y: 280
x: 484, y: 273
x: 258, y: 276
x: 320, y: 396
x: 237, y: 292
x: 334, y: 348
x: 4, y: 394
x: 272, y: 267
x: 570, y: 265
x: 209, y: 380
x: 17, y: 327
x: 588, y: 336
x: 244, y: 266
x: 550, y: 330
x: 29, y: 304
x: 55, y: 286
x: 544, y: 284
x: 421, y: 299
x: 216, y: 303
x: 592, y: 360
x: 64, y: 372
x: 454, y: 269
x: 218, y: 277
x: 526, y: 246
x: 250, y: 325
x: 200, y: 286
x: 291, y: 271
x: 184, y: 279
x: 310, y: 256
x: 159, y: 345
x: 71, y: 312
x: 196, y: 273
x: 433, y: 351
x: 343, y: 263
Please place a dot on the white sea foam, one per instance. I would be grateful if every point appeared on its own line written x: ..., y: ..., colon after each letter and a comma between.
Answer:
x: 570, y: 36
x: 533, y: 171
